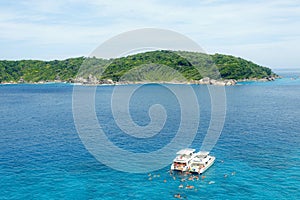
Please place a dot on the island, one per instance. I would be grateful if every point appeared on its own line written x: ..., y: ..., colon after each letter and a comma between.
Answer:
x: 162, y: 66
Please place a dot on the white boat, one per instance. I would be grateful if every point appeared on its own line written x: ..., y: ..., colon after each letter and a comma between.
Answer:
x: 201, y: 161
x: 183, y: 160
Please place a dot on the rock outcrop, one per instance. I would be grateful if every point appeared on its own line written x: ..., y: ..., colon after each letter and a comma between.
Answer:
x: 209, y: 81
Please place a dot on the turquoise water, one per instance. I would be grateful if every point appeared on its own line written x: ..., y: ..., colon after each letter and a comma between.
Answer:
x: 42, y: 157
x: 289, y: 77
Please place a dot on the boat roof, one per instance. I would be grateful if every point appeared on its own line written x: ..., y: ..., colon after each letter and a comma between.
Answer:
x: 186, y: 151
x: 183, y: 158
x: 200, y: 156
x: 202, y: 153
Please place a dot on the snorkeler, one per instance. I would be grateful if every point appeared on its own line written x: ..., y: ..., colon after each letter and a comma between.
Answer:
x: 189, y: 187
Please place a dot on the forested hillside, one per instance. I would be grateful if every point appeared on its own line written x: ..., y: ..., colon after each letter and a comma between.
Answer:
x: 190, y: 65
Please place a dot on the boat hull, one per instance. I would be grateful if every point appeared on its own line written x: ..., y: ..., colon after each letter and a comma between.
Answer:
x: 182, y: 169
x: 202, y: 170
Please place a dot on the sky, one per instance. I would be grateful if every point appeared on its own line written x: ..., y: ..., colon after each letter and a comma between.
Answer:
x: 265, y: 32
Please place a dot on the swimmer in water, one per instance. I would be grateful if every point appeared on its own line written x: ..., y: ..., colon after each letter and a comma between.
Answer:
x: 189, y: 187
x: 180, y: 186
x: 178, y: 196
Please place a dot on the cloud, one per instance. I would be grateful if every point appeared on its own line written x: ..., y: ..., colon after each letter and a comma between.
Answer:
x: 217, y: 25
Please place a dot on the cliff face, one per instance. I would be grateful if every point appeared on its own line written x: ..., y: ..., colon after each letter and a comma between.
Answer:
x: 154, y: 66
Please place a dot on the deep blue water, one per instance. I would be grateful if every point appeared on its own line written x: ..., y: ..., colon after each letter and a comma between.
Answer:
x: 42, y: 156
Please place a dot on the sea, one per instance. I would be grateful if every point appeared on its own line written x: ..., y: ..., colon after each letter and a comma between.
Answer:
x: 42, y: 156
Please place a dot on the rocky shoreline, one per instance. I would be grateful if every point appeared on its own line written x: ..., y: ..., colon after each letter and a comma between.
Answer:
x: 91, y: 80
x: 204, y: 81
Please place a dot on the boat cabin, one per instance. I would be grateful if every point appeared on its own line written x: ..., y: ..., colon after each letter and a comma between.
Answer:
x: 183, y: 159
